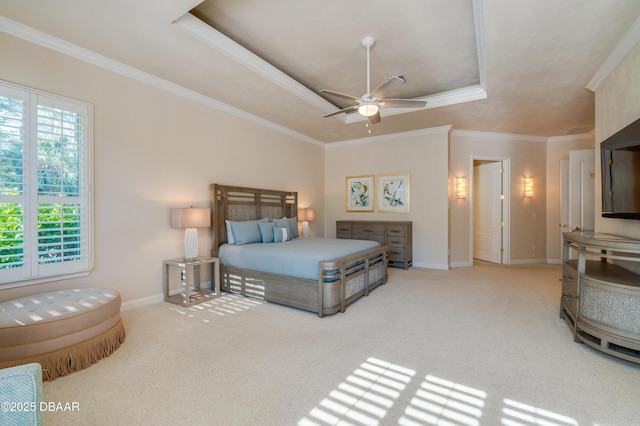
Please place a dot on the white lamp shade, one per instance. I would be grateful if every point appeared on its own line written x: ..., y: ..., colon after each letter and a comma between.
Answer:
x: 306, y: 215
x: 190, y: 218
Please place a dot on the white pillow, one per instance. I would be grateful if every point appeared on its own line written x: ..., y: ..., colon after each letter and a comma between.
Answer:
x: 230, y: 238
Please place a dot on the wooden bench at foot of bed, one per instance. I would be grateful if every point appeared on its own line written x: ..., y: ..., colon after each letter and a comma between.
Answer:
x: 64, y: 331
x: 340, y: 283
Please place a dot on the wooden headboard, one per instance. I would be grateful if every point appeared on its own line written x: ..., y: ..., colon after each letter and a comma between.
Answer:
x: 237, y: 203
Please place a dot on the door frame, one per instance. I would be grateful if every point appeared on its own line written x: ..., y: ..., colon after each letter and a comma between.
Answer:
x: 506, y: 206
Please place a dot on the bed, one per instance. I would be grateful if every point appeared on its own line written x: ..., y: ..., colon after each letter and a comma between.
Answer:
x: 339, y: 279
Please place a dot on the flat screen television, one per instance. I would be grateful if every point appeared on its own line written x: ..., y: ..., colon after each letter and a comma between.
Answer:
x: 620, y: 156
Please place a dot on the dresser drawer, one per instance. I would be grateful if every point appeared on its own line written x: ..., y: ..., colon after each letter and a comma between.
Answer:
x: 570, y: 289
x: 342, y: 227
x: 343, y: 235
x: 393, y: 241
x: 396, y: 230
x: 368, y: 229
x: 397, y: 254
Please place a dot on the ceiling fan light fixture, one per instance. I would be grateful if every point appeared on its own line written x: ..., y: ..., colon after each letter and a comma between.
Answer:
x: 368, y: 109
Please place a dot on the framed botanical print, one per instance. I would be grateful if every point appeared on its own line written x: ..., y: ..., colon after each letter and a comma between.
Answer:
x: 360, y: 193
x: 394, y: 192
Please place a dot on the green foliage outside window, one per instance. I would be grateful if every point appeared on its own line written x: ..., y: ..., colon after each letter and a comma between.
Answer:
x: 58, y: 176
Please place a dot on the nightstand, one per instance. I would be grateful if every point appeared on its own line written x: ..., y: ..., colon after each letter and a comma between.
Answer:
x: 188, y: 273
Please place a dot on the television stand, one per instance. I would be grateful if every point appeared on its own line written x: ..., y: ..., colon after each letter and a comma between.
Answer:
x: 600, y: 292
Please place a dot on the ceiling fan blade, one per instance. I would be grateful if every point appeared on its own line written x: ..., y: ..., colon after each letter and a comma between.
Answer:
x: 340, y: 111
x: 375, y: 118
x: 387, y: 86
x: 402, y: 103
x: 340, y: 95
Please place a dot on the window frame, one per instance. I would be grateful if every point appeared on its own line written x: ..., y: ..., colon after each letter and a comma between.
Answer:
x: 32, y: 270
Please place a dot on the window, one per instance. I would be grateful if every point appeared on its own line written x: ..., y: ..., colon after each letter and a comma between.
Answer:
x: 45, y: 187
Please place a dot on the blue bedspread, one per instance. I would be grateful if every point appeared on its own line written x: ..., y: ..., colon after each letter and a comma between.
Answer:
x: 296, y: 258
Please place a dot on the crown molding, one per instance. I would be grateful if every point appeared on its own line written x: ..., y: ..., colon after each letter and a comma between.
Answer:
x: 571, y: 138
x: 200, y: 30
x: 391, y: 136
x: 478, y: 18
x: 500, y: 136
x: 624, y: 46
x: 29, y: 34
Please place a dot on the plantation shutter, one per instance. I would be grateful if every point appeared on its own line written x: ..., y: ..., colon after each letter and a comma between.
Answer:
x: 45, y: 188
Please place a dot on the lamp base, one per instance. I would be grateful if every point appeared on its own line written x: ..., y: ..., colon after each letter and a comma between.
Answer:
x: 305, y: 229
x: 190, y: 243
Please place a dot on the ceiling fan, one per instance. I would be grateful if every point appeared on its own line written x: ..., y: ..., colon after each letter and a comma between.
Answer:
x: 370, y: 103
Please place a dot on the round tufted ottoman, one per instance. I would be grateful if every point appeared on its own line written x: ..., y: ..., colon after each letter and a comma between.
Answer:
x: 64, y: 331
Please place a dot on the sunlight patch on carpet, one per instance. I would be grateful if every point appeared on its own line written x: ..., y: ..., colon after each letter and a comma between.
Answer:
x: 519, y: 414
x: 365, y: 396
x: 229, y: 304
x: 440, y: 401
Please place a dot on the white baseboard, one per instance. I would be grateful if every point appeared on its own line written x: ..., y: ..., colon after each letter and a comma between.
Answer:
x: 461, y: 264
x: 528, y: 261
x: 144, y: 301
x: 431, y: 266
x: 554, y: 261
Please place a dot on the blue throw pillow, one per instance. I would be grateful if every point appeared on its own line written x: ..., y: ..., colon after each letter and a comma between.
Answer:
x: 247, y: 232
x: 283, y: 223
x: 293, y: 225
x: 266, y: 231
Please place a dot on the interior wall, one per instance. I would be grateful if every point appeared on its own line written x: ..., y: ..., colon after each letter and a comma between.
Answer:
x: 617, y: 105
x: 154, y: 151
x: 425, y: 156
x: 558, y: 148
x: 527, y: 216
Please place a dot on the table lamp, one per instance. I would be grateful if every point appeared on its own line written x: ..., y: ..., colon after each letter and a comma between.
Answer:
x: 190, y: 219
x: 305, y: 216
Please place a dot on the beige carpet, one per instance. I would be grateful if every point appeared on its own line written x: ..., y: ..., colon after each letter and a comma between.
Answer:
x: 470, y: 346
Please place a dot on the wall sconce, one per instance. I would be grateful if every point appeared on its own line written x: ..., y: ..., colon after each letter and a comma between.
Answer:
x: 528, y: 187
x: 305, y: 216
x: 190, y: 219
x: 461, y: 187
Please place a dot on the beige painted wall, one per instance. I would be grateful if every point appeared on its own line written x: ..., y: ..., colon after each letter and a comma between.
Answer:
x: 527, y: 157
x: 617, y: 105
x: 424, y: 155
x: 558, y: 148
x: 153, y: 151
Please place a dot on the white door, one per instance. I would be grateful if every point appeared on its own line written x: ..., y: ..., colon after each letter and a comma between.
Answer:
x: 564, y: 200
x: 488, y: 212
x: 582, y: 169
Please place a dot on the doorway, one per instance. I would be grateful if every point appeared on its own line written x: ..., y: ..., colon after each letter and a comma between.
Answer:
x: 490, y: 210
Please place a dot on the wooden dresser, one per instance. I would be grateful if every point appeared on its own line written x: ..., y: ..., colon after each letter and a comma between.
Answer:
x: 397, y: 235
